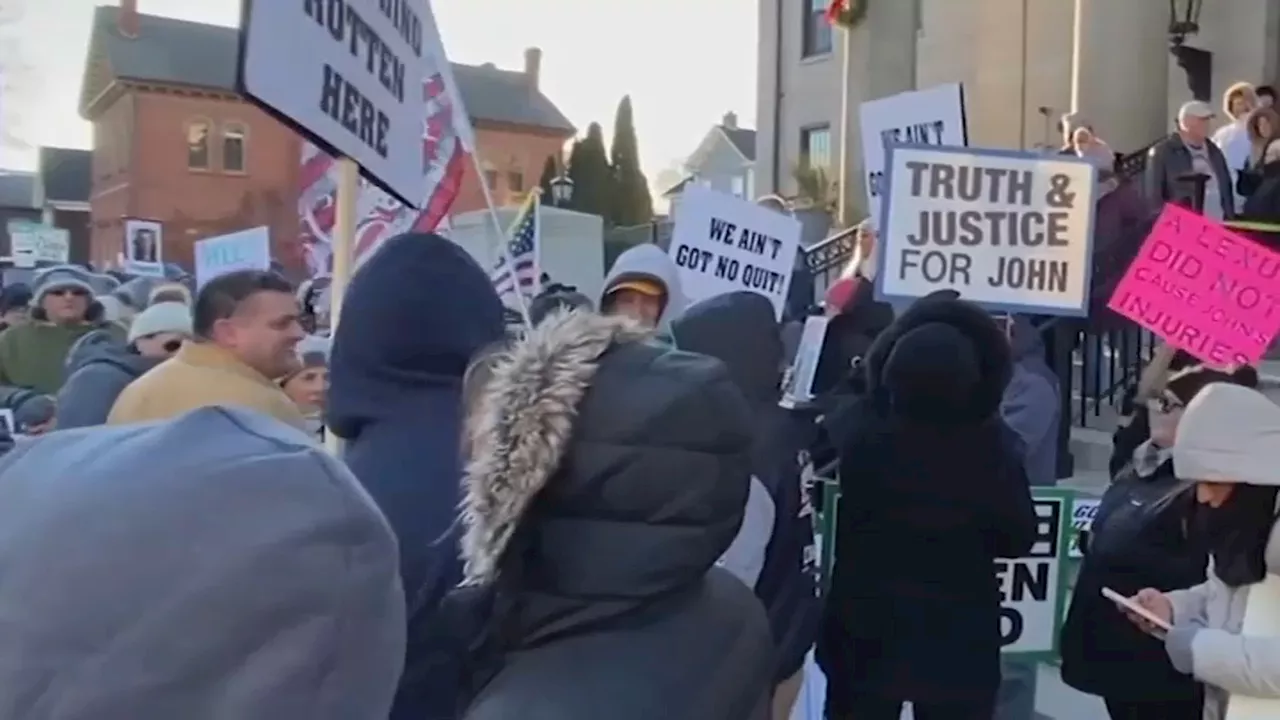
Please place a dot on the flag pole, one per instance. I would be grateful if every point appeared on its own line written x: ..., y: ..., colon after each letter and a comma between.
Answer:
x: 501, y: 236
x: 343, y: 244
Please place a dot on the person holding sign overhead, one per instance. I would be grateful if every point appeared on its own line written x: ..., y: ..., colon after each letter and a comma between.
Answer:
x: 1226, y: 631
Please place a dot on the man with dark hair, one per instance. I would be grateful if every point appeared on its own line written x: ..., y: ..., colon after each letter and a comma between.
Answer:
x: 245, y: 326
x: 1266, y: 95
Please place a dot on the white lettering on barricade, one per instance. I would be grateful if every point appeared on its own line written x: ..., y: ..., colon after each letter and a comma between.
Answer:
x: 722, y: 244
x: 348, y: 74
x: 1010, y: 231
x: 1083, y: 511
x: 933, y: 116
x: 1033, y: 587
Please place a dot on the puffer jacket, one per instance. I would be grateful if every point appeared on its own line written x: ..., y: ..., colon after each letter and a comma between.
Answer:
x: 608, y: 474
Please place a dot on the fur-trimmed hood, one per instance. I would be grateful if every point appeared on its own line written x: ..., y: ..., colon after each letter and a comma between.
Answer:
x: 603, y: 465
x: 990, y: 346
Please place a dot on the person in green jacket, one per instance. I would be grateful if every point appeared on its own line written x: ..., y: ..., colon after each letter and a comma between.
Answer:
x: 62, y: 310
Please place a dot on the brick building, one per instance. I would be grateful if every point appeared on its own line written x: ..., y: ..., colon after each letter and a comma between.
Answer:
x: 174, y: 142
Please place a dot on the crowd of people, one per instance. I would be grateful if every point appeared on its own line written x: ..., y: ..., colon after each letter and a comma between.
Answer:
x: 607, y: 512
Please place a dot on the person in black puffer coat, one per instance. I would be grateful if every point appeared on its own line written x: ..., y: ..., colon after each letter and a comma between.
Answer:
x: 1146, y: 534
x: 782, y: 550
x: 933, y: 492
x: 608, y: 473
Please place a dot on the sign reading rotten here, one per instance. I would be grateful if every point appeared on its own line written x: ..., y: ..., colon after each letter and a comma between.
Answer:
x: 722, y: 243
x: 348, y: 74
x: 1010, y: 231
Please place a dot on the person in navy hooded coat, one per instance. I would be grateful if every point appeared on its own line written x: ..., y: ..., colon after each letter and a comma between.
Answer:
x: 413, y: 317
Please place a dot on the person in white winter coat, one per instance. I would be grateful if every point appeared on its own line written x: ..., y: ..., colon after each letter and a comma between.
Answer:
x: 1226, y: 630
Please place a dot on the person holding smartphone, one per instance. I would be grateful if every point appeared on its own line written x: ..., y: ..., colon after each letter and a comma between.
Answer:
x: 1221, y: 630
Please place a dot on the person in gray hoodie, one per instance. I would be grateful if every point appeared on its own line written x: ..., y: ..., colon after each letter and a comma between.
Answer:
x: 644, y: 284
x: 218, y: 565
x: 1031, y: 409
x: 99, y: 367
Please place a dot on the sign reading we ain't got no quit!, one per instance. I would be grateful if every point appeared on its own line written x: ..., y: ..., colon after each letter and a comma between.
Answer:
x: 1203, y: 289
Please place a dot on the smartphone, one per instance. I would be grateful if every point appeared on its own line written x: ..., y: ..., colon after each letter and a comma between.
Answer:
x: 1135, y: 608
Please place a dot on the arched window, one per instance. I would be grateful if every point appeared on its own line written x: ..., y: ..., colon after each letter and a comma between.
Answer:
x: 198, y: 145
x: 234, y: 147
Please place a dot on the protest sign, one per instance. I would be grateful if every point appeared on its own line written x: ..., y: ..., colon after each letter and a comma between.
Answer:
x: 1033, y: 588
x: 723, y: 244
x: 31, y: 244
x: 1203, y: 289
x: 349, y: 78
x: 244, y: 250
x: 144, y: 247
x: 1010, y: 231
x: 934, y: 116
x: 798, y: 385
x: 1083, y: 511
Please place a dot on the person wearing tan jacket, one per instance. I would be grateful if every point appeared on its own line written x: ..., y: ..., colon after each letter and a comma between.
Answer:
x: 246, y: 327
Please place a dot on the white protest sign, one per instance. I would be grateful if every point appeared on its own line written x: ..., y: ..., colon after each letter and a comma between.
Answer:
x: 1010, y: 231
x: 798, y: 385
x: 348, y: 74
x: 31, y: 244
x: 1031, y: 586
x: 934, y: 116
x: 1083, y: 511
x: 723, y: 244
x: 244, y: 250
x: 144, y: 247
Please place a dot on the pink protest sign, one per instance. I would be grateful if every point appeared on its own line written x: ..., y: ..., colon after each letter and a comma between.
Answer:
x: 1204, y: 289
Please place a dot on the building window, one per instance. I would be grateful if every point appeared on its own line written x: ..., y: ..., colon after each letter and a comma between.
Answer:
x: 815, y: 146
x: 515, y: 182
x: 491, y: 180
x: 233, y: 147
x: 198, y: 145
x: 817, y: 31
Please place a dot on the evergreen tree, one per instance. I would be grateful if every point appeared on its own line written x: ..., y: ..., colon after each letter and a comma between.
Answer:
x: 592, y: 177
x: 631, y: 204
x: 549, y: 172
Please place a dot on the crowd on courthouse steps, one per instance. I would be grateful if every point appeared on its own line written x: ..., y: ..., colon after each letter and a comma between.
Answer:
x: 605, y: 514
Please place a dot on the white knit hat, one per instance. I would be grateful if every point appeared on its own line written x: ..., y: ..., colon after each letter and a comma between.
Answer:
x: 1229, y: 433
x: 162, y: 317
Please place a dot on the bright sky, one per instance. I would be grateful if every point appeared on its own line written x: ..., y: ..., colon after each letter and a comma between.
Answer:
x: 684, y: 63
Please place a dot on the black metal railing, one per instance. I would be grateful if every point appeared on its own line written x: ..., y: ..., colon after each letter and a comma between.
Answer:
x: 1096, y: 362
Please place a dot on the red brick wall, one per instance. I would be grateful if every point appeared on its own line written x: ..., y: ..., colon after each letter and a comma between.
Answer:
x: 507, y: 151
x: 140, y: 170
x: 193, y: 204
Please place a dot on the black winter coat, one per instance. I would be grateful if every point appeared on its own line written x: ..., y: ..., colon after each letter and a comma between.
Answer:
x: 927, y: 507
x: 1103, y: 653
x: 608, y: 476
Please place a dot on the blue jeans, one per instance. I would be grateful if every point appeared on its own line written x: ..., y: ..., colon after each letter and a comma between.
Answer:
x: 1016, y: 699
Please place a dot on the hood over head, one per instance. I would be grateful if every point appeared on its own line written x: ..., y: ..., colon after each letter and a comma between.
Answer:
x: 102, y: 346
x: 1230, y: 434
x: 29, y: 407
x: 652, y: 263
x: 415, y: 314
x: 951, y: 346
x: 739, y: 329
x: 605, y: 469
x: 136, y: 293
x: 59, y: 277
x: 216, y: 565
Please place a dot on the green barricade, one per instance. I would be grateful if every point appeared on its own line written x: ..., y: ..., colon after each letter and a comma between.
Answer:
x: 1034, y: 588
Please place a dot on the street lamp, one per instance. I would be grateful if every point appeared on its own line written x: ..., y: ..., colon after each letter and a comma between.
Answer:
x: 561, y: 190
x: 1184, y: 20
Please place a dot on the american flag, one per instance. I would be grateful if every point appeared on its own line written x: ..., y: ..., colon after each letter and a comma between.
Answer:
x: 518, y: 265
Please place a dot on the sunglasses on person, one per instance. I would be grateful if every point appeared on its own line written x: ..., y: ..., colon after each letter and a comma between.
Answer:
x: 72, y: 291
x: 1165, y: 404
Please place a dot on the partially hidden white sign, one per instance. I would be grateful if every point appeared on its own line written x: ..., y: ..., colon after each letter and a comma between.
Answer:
x: 244, y: 250
x: 723, y: 244
x: 1010, y: 231
x: 933, y: 116
x: 32, y: 244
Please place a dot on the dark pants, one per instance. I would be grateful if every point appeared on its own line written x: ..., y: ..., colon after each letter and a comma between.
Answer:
x: 1187, y: 709
x: 870, y: 708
